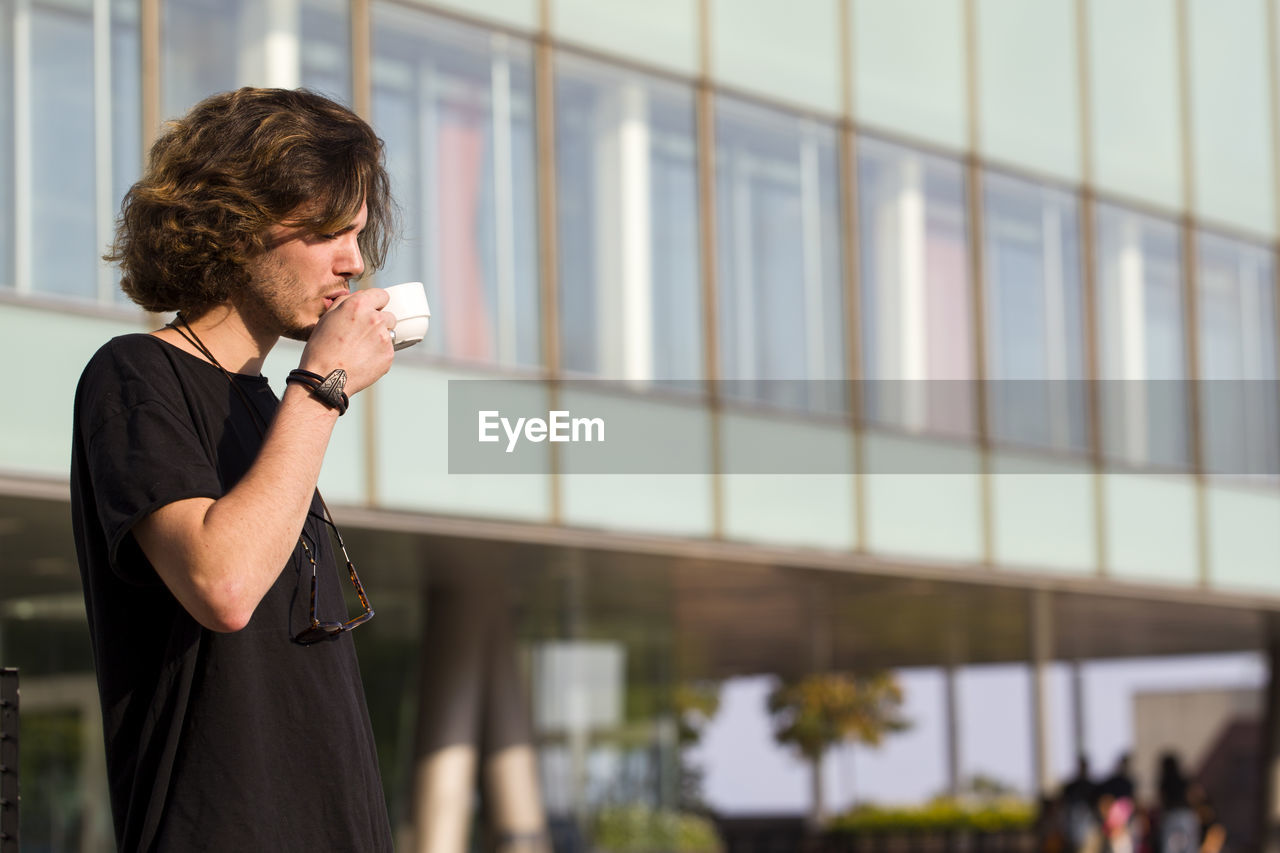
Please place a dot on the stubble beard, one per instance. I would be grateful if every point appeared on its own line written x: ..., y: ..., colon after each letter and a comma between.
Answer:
x: 272, y: 299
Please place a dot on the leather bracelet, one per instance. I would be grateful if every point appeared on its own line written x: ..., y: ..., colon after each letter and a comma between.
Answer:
x: 326, y: 389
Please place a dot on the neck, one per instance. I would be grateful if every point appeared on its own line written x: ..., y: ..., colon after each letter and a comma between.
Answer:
x: 234, y: 343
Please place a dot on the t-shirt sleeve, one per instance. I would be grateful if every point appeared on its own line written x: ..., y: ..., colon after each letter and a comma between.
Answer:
x: 142, y: 454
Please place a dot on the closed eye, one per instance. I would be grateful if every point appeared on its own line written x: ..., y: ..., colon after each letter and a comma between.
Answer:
x: 334, y: 235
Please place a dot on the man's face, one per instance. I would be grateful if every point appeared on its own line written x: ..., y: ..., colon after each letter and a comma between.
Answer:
x: 297, y: 278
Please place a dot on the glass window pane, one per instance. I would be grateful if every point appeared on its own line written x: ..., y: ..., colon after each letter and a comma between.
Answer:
x: 1237, y: 354
x: 64, y: 239
x: 907, y: 77
x: 1035, y: 315
x: 1231, y: 113
x: 218, y: 45
x: 915, y: 296
x: 516, y: 13
x: 1133, y: 92
x: 780, y: 298
x: 200, y: 51
x: 1141, y: 342
x: 661, y: 32
x: 326, y: 48
x: 455, y: 107
x: 1027, y: 83
x: 7, y: 200
x: 779, y: 48
x: 630, y: 295
x: 126, y: 109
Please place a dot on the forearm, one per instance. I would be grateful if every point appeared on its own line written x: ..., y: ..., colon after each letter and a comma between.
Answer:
x: 260, y: 518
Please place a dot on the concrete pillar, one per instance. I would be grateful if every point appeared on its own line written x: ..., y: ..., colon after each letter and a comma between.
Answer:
x: 1041, y: 631
x: 474, y: 725
x: 512, y: 792
x: 957, y: 652
x: 949, y: 701
x: 1077, y: 706
x: 451, y: 687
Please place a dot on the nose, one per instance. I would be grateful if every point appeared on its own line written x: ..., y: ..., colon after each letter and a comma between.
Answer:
x: 349, y: 262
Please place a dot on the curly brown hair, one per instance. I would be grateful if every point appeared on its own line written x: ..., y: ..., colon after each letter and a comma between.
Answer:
x: 238, y: 163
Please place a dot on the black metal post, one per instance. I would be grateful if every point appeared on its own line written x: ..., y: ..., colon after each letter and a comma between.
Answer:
x: 9, y: 799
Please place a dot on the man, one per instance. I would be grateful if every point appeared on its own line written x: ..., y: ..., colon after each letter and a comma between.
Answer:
x: 1080, y: 800
x: 1119, y: 785
x: 232, y: 705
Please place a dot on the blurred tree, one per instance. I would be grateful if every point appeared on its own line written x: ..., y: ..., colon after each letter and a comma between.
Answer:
x: 984, y: 787
x: 824, y: 709
x: 696, y: 703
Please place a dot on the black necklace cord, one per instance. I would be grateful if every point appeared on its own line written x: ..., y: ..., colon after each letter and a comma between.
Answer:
x: 191, y: 337
x: 180, y: 325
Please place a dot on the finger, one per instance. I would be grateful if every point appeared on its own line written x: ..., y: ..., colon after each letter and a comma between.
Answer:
x: 338, y: 300
x: 375, y: 296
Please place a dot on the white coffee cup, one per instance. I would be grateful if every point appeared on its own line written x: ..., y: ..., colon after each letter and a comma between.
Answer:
x: 408, y: 302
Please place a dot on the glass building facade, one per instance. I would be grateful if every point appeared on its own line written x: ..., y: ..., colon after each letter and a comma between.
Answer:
x: 1009, y: 268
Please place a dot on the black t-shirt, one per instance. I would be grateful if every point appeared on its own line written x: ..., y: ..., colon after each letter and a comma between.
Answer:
x: 215, y: 741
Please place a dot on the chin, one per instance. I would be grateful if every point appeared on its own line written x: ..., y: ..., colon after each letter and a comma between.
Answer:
x: 298, y: 333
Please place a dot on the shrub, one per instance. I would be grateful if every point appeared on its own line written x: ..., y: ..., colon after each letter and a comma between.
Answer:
x: 640, y: 829
x: 940, y: 815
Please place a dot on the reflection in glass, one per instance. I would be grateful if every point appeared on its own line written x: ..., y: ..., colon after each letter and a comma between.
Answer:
x: 780, y: 300
x: 126, y: 113
x: 1035, y: 315
x: 455, y: 107
x: 578, y: 691
x: 63, y: 250
x: 915, y: 290
x: 61, y: 763
x: 630, y: 301
x: 326, y: 48
x: 7, y: 199
x: 1141, y: 339
x: 79, y: 147
x: 1237, y: 354
x: 217, y: 45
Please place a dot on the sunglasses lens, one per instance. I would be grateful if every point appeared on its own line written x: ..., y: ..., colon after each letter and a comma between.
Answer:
x: 316, y: 633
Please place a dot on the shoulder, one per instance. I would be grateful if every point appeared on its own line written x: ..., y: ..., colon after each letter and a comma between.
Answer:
x: 126, y: 371
x: 138, y: 348
x: 135, y: 355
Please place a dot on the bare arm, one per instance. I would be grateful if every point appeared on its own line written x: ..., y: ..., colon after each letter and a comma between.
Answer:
x: 219, y: 557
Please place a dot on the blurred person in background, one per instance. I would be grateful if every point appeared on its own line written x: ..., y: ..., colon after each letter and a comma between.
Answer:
x: 1213, y: 835
x: 1117, y: 824
x: 1119, y: 785
x: 1079, y: 808
x: 1118, y: 810
x: 1177, y: 825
